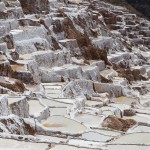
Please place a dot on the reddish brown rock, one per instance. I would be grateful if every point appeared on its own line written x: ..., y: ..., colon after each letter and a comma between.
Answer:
x: 118, y: 123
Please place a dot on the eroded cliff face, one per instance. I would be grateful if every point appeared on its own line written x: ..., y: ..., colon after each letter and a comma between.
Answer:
x: 72, y: 73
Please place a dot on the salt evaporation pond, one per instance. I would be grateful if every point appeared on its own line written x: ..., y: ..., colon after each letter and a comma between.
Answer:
x: 60, y: 123
x: 95, y: 136
x: 134, y: 138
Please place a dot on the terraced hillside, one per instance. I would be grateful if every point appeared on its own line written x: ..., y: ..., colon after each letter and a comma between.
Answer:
x: 74, y: 75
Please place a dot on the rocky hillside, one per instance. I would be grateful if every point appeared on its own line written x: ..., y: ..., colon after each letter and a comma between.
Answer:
x: 140, y: 7
x: 74, y: 75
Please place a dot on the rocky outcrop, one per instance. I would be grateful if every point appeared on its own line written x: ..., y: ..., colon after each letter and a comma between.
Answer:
x: 142, y: 7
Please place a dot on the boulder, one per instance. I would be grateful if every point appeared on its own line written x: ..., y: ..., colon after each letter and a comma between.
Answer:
x: 117, y: 123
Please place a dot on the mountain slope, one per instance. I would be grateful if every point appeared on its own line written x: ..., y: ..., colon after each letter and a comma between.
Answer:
x: 140, y: 7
